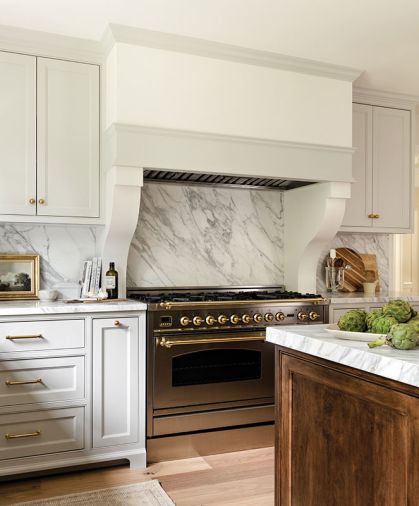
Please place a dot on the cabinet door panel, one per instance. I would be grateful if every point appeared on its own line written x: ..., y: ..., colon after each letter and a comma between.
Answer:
x: 17, y: 134
x: 68, y: 138
x: 115, y: 382
x: 360, y: 204
x: 392, y: 172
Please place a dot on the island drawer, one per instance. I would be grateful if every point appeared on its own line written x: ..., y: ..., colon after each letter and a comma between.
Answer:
x: 41, y: 380
x: 41, y: 432
x: 41, y: 335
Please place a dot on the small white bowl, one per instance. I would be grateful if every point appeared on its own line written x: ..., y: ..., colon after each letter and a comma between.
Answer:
x: 47, y: 295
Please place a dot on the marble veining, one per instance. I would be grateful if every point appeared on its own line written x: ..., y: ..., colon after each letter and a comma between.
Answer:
x: 31, y: 307
x: 62, y: 248
x: 202, y: 236
x: 375, y: 244
x: 387, y: 362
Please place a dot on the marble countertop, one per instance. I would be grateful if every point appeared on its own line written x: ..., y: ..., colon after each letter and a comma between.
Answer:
x: 35, y: 307
x: 357, y: 297
x: 384, y: 361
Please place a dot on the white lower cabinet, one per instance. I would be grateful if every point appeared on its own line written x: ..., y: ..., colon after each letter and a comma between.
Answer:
x: 115, y: 381
x: 72, y: 391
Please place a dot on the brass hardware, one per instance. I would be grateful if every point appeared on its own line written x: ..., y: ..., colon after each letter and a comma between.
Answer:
x: 117, y: 323
x: 32, y: 201
x: 313, y: 316
x: 269, y: 317
x: 41, y: 201
x: 376, y: 215
x: 168, y: 343
x: 210, y: 320
x: 222, y: 319
x: 28, y: 382
x: 34, y: 336
x: 373, y: 216
x: 302, y: 316
x: 257, y: 317
x: 187, y: 305
x: 246, y: 318
x: 185, y: 320
x: 280, y: 316
x: 27, y: 434
x: 197, y: 321
x: 235, y: 318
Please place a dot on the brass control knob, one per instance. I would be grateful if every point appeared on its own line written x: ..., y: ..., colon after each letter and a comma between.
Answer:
x: 210, y: 320
x: 197, y: 321
x: 257, y: 317
x: 302, y: 316
x: 246, y: 318
x: 222, y: 319
x: 313, y: 316
x: 234, y: 318
x: 269, y: 317
x: 185, y: 320
x: 280, y: 316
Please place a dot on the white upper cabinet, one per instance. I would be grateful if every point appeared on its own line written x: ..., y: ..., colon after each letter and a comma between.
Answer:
x: 49, y: 138
x: 17, y: 134
x: 68, y: 138
x: 381, y: 198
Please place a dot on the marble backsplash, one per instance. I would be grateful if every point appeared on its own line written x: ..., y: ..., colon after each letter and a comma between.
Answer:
x: 377, y: 244
x: 201, y: 236
x: 62, y: 248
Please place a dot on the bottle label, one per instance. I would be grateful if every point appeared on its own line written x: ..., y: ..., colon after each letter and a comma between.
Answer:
x: 110, y: 282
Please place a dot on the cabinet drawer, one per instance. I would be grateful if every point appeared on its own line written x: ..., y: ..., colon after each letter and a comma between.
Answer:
x: 41, y: 335
x: 41, y: 380
x: 41, y: 432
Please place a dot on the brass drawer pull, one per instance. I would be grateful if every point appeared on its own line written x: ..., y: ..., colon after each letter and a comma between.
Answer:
x: 34, y: 336
x: 373, y: 216
x: 28, y: 382
x: 168, y: 343
x: 18, y: 436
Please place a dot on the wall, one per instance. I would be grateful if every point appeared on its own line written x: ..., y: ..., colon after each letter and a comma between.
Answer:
x: 176, y: 90
x: 378, y: 244
x: 190, y: 236
x: 62, y: 248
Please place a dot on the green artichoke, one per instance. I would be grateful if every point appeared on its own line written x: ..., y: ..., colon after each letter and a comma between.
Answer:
x: 402, y: 336
x: 373, y: 315
x: 399, y: 309
x: 353, y: 320
x: 414, y: 323
x: 383, y: 324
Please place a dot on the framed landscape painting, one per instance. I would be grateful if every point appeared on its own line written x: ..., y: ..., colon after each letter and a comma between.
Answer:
x: 19, y: 277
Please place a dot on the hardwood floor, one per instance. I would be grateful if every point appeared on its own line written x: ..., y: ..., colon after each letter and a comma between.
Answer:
x: 241, y: 478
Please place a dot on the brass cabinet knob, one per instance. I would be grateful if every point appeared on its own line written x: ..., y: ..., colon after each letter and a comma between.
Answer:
x: 41, y: 201
x: 376, y: 215
x: 117, y: 323
x: 32, y: 201
x: 373, y: 216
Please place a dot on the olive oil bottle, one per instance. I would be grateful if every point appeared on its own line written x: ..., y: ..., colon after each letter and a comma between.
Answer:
x: 111, y: 281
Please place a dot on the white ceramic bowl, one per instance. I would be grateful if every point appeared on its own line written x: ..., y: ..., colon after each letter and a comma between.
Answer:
x: 47, y: 295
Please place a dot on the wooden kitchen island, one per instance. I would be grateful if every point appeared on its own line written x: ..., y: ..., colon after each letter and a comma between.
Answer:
x: 347, y: 431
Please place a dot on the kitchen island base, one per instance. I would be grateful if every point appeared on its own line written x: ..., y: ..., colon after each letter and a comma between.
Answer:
x: 343, y: 436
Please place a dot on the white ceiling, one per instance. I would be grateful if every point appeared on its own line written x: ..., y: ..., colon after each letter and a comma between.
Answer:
x: 379, y: 36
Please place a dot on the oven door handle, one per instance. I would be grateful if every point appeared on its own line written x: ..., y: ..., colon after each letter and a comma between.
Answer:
x: 168, y: 343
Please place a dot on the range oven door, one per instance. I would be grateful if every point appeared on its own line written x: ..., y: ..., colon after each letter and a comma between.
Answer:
x: 212, y: 368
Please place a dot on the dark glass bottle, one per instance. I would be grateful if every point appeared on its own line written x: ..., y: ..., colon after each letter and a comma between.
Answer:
x: 111, y: 282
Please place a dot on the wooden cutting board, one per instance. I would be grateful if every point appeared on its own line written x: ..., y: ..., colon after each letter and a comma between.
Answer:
x: 355, y: 276
x: 371, y: 268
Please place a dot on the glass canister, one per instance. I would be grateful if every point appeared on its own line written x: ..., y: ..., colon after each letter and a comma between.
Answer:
x: 335, y: 277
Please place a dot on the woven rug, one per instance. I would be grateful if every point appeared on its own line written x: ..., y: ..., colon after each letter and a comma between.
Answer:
x: 148, y: 493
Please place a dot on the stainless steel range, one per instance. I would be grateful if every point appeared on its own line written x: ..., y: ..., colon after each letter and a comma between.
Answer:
x: 210, y: 371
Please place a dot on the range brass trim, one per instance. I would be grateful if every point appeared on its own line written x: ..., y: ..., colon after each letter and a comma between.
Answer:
x: 185, y: 305
x: 27, y: 434
x: 168, y: 343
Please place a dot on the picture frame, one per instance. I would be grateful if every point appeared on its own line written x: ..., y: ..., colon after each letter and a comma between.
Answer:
x: 19, y: 276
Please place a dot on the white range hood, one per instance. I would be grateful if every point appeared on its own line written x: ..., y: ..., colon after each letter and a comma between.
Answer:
x: 169, y: 110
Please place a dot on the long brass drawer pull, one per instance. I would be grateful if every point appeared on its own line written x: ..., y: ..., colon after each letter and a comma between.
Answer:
x: 168, y: 343
x: 34, y: 336
x: 28, y: 382
x: 27, y: 434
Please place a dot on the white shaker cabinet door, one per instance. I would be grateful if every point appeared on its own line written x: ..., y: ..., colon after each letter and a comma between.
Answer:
x: 17, y: 134
x: 392, y: 168
x: 359, y: 206
x: 68, y: 138
x: 115, y: 381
